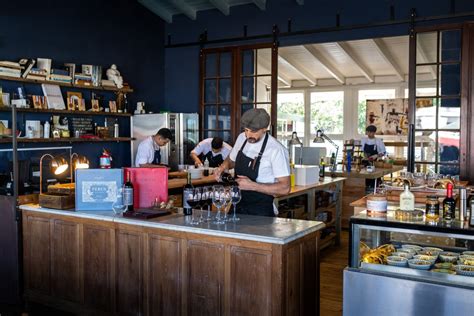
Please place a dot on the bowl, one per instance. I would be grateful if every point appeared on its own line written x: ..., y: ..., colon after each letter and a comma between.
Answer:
x: 419, y: 264
x: 195, y: 173
x: 415, y: 247
x: 407, y: 255
x: 447, y: 256
x: 468, y: 253
x: 448, y: 271
x: 434, y: 249
x: 466, y: 260
x: 431, y: 259
x: 429, y: 253
x: 407, y: 250
x: 465, y: 270
x: 444, y: 265
x: 397, y: 261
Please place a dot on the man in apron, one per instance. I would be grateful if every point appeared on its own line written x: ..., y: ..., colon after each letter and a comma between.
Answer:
x: 262, y: 167
x: 214, y: 150
x: 373, y: 148
x: 148, y: 152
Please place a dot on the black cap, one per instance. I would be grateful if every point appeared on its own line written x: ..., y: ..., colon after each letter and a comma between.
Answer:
x: 255, y: 119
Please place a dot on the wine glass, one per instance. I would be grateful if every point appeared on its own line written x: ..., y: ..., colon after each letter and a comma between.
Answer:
x: 193, y: 199
x: 227, y: 200
x: 236, y: 197
x: 118, y: 206
x: 218, y: 200
x: 206, y: 199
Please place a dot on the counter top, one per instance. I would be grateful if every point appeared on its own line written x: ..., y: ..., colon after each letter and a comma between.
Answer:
x: 180, y: 182
x: 255, y: 228
x: 378, y: 173
x: 389, y: 220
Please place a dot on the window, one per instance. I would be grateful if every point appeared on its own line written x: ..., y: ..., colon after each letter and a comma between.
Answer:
x: 327, y: 112
x: 291, y: 113
x: 365, y: 95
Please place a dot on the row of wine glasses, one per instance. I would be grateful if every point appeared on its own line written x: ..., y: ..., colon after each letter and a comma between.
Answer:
x: 218, y: 195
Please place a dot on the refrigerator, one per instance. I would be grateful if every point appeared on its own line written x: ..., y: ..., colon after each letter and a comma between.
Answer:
x: 184, y: 128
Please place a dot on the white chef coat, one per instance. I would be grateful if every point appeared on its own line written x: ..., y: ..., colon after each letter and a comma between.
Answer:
x: 205, y: 146
x: 379, y: 145
x: 275, y: 162
x: 146, y: 151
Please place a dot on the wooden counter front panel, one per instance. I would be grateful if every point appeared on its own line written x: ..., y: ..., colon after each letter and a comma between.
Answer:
x: 205, y: 278
x: 250, y: 282
x: 129, y: 267
x: 37, y: 254
x: 165, y: 275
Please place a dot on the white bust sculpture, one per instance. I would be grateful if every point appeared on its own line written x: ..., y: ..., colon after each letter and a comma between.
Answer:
x: 114, y: 75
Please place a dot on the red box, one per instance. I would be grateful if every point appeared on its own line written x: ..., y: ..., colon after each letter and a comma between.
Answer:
x: 148, y: 184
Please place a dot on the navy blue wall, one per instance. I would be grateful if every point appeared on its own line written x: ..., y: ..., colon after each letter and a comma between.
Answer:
x: 98, y: 32
x: 181, y: 64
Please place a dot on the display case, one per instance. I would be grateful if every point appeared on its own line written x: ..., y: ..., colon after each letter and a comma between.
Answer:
x: 375, y: 283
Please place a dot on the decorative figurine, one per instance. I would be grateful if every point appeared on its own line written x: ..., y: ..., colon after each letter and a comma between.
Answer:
x: 105, y: 159
x: 114, y: 75
x: 140, y: 108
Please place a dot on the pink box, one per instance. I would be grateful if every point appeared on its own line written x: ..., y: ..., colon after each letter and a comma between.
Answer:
x: 148, y: 184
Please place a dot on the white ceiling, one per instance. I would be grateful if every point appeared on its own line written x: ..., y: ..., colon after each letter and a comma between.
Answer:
x: 354, y: 62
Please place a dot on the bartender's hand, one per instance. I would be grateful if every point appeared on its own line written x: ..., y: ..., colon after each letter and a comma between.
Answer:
x: 245, y: 183
x: 217, y: 172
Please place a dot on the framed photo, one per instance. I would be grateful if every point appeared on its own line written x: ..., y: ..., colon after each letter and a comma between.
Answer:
x: 390, y: 116
x: 39, y: 102
x: 82, y: 105
x: 113, y: 106
x: 87, y: 70
x: 95, y: 105
x: 71, y: 103
x: 74, y: 95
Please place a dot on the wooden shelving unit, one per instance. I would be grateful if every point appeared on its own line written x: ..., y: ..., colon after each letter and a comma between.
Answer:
x: 51, y: 111
x: 67, y: 140
x: 64, y: 84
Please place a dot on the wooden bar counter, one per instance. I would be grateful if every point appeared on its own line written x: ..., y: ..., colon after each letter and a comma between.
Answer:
x: 100, y: 263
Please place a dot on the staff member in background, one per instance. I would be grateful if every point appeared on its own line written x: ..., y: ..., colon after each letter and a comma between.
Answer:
x: 262, y: 167
x: 149, y: 152
x: 215, y: 150
x: 372, y: 147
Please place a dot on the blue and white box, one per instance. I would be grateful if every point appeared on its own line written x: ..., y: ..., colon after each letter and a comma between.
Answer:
x: 97, y: 189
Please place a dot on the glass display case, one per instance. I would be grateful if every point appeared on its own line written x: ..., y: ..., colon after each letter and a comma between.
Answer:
x: 409, y: 266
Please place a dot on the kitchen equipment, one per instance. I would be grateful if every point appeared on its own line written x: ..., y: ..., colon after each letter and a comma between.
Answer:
x: 183, y: 126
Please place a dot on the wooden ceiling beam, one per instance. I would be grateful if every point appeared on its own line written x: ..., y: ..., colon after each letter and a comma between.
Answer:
x: 282, y: 58
x: 336, y: 74
x: 221, y: 5
x: 385, y: 53
x: 346, y: 49
x: 185, y: 8
x: 424, y: 59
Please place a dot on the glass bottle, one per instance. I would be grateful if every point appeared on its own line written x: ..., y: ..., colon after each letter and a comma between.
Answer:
x: 407, y: 199
x: 449, y: 204
x: 128, y: 194
x: 187, y: 190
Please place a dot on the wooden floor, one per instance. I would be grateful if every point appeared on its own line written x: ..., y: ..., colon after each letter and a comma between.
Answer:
x: 333, y: 261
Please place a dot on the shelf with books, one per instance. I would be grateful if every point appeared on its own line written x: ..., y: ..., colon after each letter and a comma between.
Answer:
x: 67, y: 140
x: 51, y: 111
x: 66, y: 84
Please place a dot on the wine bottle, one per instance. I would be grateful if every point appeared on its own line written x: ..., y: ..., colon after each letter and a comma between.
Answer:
x: 407, y: 199
x: 449, y: 204
x: 187, y: 190
x: 227, y: 178
x: 322, y: 166
x: 128, y: 194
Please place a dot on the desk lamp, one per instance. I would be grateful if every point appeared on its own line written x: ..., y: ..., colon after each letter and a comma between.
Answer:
x: 296, y: 141
x: 77, y: 162
x: 322, y: 138
x: 58, y: 166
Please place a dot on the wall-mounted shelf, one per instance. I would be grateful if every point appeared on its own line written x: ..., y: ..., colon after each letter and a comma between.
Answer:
x: 51, y: 111
x: 64, y: 84
x: 67, y: 140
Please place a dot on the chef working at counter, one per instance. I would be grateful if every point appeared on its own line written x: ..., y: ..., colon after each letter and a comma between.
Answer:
x: 372, y: 147
x: 215, y: 150
x: 262, y: 168
x: 149, y: 152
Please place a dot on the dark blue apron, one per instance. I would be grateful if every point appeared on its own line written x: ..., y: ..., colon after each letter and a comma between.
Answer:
x: 157, y: 157
x: 214, y: 161
x: 252, y: 203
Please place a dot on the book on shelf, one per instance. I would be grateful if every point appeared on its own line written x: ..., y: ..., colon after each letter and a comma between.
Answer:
x: 10, y: 64
x: 61, y: 72
x: 71, y: 68
x: 28, y: 66
x: 53, y: 96
x: 10, y: 72
x: 38, y: 71
x: 36, y: 77
x: 108, y: 83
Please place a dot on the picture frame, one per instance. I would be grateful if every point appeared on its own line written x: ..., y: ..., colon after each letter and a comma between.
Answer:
x: 71, y: 104
x: 95, y: 106
x: 113, y: 106
x: 74, y: 95
x: 82, y: 105
x: 87, y: 69
x: 39, y: 102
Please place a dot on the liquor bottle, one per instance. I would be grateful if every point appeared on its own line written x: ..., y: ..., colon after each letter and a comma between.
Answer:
x: 407, y: 199
x: 187, y: 190
x: 449, y: 204
x: 322, y: 166
x: 206, y: 167
x: 128, y: 194
x: 116, y: 129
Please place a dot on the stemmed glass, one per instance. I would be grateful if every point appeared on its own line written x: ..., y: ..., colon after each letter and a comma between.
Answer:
x: 227, y: 200
x: 118, y: 206
x: 207, y: 200
x: 218, y: 199
x: 236, y: 197
x: 193, y: 200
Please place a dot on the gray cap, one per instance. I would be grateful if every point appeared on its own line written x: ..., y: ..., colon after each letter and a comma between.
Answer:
x: 255, y: 119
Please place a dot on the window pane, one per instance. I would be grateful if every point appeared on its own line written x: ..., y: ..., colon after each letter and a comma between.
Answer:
x: 426, y: 42
x: 449, y: 114
x: 264, y: 89
x: 266, y: 106
x: 211, y: 65
x: 425, y: 168
x: 448, y: 147
x: 365, y: 95
x: 224, y: 134
x: 224, y: 91
x: 264, y: 61
x: 225, y: 64
x: 210, y: 112
x: 425, y: 116
x: 327, y: 111
x: 450, y: 80
x: 290, y: 116
x: 425, y: 146
x: 210, y: 91
x: 450, y: 45
x: 246, y: 107
x: 425, y: 92
x: 426, y: 78
x: 248, y: 61
x: 224, y: 117
x: 248, y: 89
